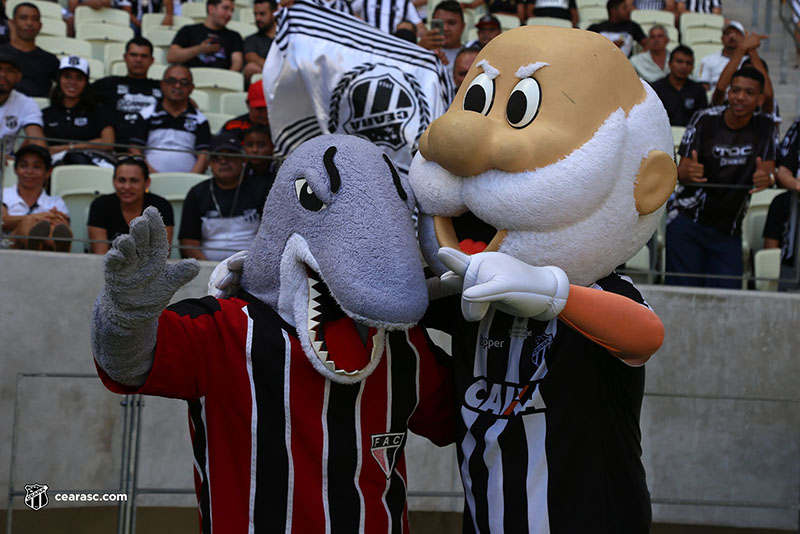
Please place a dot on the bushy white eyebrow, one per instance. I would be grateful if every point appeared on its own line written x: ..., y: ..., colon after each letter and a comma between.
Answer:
x: 488, y: 69
x: 528, y: 70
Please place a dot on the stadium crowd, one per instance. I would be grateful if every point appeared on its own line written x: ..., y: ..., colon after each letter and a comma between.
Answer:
x: 141, y: 126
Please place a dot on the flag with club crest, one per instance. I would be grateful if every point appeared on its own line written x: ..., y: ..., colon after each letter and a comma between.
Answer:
x: 329, y: 72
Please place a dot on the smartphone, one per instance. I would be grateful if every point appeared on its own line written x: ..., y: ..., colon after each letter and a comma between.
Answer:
x: 437, y: 25
x: 213, y: 37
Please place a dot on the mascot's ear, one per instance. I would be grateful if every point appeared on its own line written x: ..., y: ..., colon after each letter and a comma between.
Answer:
x: 655, y: 181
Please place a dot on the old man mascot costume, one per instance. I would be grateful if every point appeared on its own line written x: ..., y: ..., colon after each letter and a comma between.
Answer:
x: 302, y: 386
x: 559, y: 159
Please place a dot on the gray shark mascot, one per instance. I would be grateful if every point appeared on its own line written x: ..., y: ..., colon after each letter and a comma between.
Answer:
x: 302, y: 387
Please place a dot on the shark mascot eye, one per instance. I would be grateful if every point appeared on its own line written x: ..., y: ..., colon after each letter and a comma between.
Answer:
x: 306, y: 196
x: 480, y: 94
x: 523, y: 104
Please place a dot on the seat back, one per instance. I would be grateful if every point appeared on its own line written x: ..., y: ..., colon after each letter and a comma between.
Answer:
x: 592, y: 13
x: 217, y: 82
x: 216, y: 121
x: 548, y: 21
x: 49, y: 10
x: 174, y: 186
x: 107, y: 15
x: 767, y: 264
x: 695, y: 36
x: 55, y: 27
x: 99, y: 34
x: 79, y: 185
x: 194, y: 10
x: 233, y: 103
x: 151, y: 20
x: 244, y: 29
x: 691, y: 19
x: 9, y: 176
x: 64, y: 46
x: 652, y: 16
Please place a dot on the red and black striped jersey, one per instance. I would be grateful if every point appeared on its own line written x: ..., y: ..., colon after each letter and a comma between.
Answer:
x: 278, y: 448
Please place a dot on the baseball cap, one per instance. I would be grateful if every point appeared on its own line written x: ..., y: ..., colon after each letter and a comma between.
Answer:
x: 488, y: 21
x: 40, y: 151
x: 6, y: 57
x: 74, y: 62
x: 225, y: 141
x: 735, y: 25
x: 255, y: 95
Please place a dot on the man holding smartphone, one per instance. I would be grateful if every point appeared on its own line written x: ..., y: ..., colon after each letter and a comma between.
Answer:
x: 210, y: 43
x: 447, y: 26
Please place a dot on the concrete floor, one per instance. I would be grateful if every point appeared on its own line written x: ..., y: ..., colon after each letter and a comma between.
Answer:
x: 103, y: 520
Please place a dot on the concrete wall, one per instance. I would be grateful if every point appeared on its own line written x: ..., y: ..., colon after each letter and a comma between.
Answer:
x: 720, y: 422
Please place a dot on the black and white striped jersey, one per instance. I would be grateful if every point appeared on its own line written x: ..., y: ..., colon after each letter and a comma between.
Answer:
x: 701, y: 6
x: 549, y: 438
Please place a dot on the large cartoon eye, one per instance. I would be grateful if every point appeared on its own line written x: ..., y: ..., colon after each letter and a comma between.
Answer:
x: 480, y: 94
x: 306, y: 196
x: 523, y: 104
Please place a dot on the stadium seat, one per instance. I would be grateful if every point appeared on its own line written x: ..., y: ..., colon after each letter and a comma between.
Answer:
x: 194, y: 10
x: 591, y: 14
x: 651, y: 16
x: 202, y: 99
x: 9, y: 176
x: 112, y: 53
x: 217, y: 82
x: 702, y: 50
x: 701, y: 20
x: 245, y: 29
x: 96, y: 69
x: 160, y: 35
x: 246, y: 15
x: 548, y: 21
x: 216, y: 121
x: 754, y: 219
x: 507, y: 22
x: 677, y: 136
x: 233, y: 103
x: 767, y: 264
x: 243, y: 4
x: 150, y: 20
x: 108, y: 15
x: 64, y: 46
x: 55, y: 27
x: 41, y: 101
x: 47, y: 9
x: 695, y: 36
x: 99, y: 34
x: 79, y: 185
x: 590, y: 3
x: 255, y: 78
x: 173, y: 186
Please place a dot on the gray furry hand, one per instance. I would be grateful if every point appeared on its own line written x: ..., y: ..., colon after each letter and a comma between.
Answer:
x: 139, y: 282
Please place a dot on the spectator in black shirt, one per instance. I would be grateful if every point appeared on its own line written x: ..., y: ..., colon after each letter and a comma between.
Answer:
x: 732, y: 149
x: 110, y: 215
x: 210, y: 43
x: 619, y: 27
x: 560, y: 9
x: 126, y: 96
x: 39, y: 68
x: 257, y: 45
x: 681, y: 96
x: 257, y: 142
x: 74, y: 115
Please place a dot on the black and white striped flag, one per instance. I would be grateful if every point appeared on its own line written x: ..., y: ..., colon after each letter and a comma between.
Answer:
x: 328, y: 72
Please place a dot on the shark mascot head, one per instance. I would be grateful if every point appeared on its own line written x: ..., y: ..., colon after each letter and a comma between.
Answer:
x: 556, y: 146
x: 337, y: 233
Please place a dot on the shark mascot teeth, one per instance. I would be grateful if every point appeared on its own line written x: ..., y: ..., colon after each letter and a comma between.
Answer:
x: 550, y: 169
x: 302, y: 386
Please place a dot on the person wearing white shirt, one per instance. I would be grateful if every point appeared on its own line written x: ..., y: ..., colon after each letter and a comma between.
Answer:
x: 34, y: 219
x: 652, y: 64
x: 712, y: 66
x: 17, y: 111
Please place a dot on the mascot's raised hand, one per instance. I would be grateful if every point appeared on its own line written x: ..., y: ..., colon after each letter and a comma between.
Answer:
x: 138, y: 286
x: 513, y: 286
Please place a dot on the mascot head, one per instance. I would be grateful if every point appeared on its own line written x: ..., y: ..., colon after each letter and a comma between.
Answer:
x: 337, y: 239
x: 557, y: 146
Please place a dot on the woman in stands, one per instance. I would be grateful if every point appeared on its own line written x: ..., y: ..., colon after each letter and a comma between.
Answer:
x: 74, y: 119
x: 110, y: 215
x: 28, y: 211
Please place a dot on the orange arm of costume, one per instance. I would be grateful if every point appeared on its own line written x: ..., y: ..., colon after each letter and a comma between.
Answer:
x: 627, y: 329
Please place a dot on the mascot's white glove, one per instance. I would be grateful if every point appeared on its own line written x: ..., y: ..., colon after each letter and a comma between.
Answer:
x: 224, y: 280
x: 511, y: 285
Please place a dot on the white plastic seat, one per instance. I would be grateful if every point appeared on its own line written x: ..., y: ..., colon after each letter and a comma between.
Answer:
x: 173, y: 186
x: 79, y: 185
x: 243, y: 4
x: 767, y: 264
x: 593, y: 13
x: 246, y: 15
x: 701, y: 20
x: 245, y: 29
x: 651, y: 16
x: 677, y: 136
x: 694, y: 36
x: 9, y: 176
x: 194, y: 10
x: 217, y: 82
x: 590, y: 3
x: 112, y: 53
x: 153, y: 20
x: 50, y: 10
x: 202, y: 99
x: 702, y: 50
x: 99, y: 34
x: 233, y: 103
x: 107, y: 15
x: 549, y: 21
x: 216, y: 120
x: 160, y: 35
x: 41, y: 101
x: 97, y: 69
x: 64, y: 46
x: 54, y: 27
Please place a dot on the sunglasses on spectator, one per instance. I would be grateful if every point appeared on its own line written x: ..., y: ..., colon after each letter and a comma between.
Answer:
x: 126, y: 157
x: 183, y: 82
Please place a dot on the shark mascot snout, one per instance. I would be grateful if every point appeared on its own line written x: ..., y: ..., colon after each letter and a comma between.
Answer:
x: 301, y: 387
